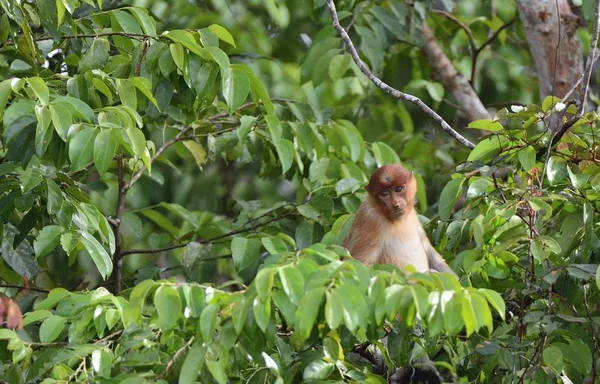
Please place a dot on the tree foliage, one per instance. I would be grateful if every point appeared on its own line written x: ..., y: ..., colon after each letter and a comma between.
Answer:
x: 176, y: 181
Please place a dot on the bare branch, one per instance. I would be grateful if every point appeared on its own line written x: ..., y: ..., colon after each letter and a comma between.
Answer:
x: 392, y: 91
x: 17, y: 286
x: 451, y: 79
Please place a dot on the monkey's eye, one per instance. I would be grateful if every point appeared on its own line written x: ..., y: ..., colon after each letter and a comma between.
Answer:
x: 384, y: 194
x: 399, y: 189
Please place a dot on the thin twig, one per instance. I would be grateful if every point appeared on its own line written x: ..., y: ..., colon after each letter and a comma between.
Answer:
x: 158, y: 152
x: 176, y: 356
x: 207, y: 241
x: 102, y: 34
x: 385, y: 87
x: 462, y: 25
x: 489, y: 41
x: 44, y: 290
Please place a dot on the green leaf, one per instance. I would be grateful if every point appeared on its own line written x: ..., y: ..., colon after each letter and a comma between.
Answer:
x: 554, y: 358
x: 450, y: 193
x: 598, y: 277
x: 222, y: 34
x: 47, y: 240
x: 138, y: 144
x: 137, y: 298
x: 527, y: 158
x: 105, y: 149
x: 468, y: 315
x: 482, y: 313
x: 384, y: 154
x: 96, y: 56
x: 318, y: 370
x: 162, y: 221
x: 235, y: 87
x: 81, y: 148
x: 548, y: 103
x: 127, y: 93
x: 352, y: 138
x: 292, y: 282
x: 98, y: 253
x: 146, y: 21
x: 198, y: 152
x: 168, y: 306
x: 487, y: 125
x: 274, y: 128
x: 262, y: 313
x: 39, y: 87
x: 103, y: 88
x: 43, y: 135
x: 495, y: 301
x: 577, y: 180
x: 55, y: 296
x: 194, y: 296
x: 145, y: 87
x: 208, y: 322
x: 307, y: 311
x: 178, y: 55
x: 35, y: 316
x: 192, y: 364
x: 285, y: 151
x: 246, y: 252
x: 239, y: 313
x: 246, y: 123
x: 61, y: 119
x: 5, y: 92
x: 338, y: 66
x: 76, y: 107
x: 102, y: 362
x: 264, y: 282
x: 487, y: 149
x: 334, y: 309
x: 51, y: 328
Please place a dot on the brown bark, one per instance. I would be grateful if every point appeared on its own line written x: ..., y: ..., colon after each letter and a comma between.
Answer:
x: 451, y: 79
x: 550, y: 26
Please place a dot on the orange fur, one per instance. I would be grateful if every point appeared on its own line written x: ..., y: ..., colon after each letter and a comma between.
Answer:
x: 386, y: 229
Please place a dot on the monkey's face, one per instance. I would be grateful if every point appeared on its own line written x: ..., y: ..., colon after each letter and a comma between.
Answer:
x: 394, y: 200
x: 394, y: 189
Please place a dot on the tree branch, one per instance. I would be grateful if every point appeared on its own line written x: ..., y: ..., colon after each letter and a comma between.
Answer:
x: 158, y: 152
x: 207, y: 241
x: 43, y: 290
x: 176, y: 356
x: 102, y: 34
x: 116, y: 223
x: 385, y: 87
x: 451, y: 79
x: 489, y: 41
x: 587, y: 73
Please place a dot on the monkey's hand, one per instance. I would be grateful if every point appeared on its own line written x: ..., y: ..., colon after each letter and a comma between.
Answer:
x: 10, y: 310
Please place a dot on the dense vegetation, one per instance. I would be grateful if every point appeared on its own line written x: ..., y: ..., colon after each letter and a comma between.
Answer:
x: 176, y: 179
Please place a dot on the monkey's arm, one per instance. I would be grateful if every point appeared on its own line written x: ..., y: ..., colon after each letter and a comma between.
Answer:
x: 436, y: 261
x: 363, y: 236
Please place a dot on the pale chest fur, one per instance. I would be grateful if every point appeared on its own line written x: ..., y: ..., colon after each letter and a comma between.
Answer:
x: 401, y: 244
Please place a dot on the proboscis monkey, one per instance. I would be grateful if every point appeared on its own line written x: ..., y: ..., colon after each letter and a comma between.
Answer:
x: 386, y: 229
